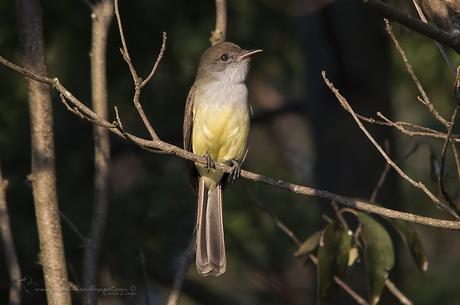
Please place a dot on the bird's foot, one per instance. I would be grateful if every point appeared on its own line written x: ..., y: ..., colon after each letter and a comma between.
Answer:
x: 209, y: 162
x: 236, y: 171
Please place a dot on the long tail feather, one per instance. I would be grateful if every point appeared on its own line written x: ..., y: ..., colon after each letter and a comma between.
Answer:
x: 210, y: 245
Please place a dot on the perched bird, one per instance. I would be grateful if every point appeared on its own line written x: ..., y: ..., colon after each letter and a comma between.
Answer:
x: 216, y: 125
x: 443, y: 13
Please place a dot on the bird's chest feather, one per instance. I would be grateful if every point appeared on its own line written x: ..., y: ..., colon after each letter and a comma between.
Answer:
x: 221, y: 122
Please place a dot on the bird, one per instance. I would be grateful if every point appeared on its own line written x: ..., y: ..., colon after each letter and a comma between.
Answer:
x: 216, y: 126
x: 443, y: 13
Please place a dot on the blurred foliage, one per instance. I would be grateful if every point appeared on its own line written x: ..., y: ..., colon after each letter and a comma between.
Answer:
x: 152, y: 208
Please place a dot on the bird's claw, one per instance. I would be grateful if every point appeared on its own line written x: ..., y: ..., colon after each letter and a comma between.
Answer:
x: 236, y: 171
x: 209, y: 162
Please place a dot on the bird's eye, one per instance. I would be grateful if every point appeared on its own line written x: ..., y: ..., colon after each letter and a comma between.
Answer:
x: 224, y: 57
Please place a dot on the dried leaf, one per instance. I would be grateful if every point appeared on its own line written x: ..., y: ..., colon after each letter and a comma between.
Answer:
x: 379, y: 255
x: 309, y: 245
x: 412, y: 241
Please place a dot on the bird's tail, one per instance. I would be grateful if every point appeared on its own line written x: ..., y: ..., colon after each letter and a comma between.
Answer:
x: 210, y: 245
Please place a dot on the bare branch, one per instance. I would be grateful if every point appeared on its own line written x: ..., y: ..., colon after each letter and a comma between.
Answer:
x: 181, y: 271
x: 424, y: 100
x: 456, y: 157
x: 418, y: 184
x: 438, y: 45
x: 138, y: 83
x: 8, y: 246
x: 170, y: 149
x: 220, y: 30
x: 102, y: 14
x: 157, y: 62
x: 397, y: 293
x: 443, y: 161
x: 448, y: 39
x: 382, y: 177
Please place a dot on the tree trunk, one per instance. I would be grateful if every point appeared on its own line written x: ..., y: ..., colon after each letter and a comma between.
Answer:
x: 43, y: 176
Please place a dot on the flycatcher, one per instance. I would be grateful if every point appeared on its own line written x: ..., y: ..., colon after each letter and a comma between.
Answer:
x: 216, y: 125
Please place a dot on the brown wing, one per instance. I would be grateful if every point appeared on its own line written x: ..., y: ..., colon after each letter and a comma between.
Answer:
x: 188, y: 126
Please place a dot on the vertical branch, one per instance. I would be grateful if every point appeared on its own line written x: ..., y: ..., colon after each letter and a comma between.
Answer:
x: 438, y: 45
x: 185, y: 258
x: 102, y: 14
x: 219, y: 33
x: 43, y: 175
x: 8, y: 246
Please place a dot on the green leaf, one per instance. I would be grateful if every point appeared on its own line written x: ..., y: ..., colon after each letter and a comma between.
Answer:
x: 309, y: 245
x: 343, y: 251
x: 412, y: 241
x: 332, y: 258
x: 379, y: 255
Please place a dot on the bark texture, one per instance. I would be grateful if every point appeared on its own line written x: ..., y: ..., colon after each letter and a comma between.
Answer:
x: 43, y: 177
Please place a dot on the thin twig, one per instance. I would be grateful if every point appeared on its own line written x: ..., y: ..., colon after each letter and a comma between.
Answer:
x: 397, y: 293
x: 438, y: 45
x: 425, y: 100
x: 443, y: 162
x: 170, y: 149
x: 456, y: 157
x: 386, y: 169
x: 220, y: 30
x: 8, y: 245
x: 184, y: 262
x: 157, y: 62
x: 343, y: 101
x: 382, y: 177
x: 73, y: 227
x: 124, y: 51
x: 138, y: 83
x: 428, y: 132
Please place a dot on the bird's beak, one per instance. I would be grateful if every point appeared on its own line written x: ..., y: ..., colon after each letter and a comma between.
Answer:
x: 247, y: 54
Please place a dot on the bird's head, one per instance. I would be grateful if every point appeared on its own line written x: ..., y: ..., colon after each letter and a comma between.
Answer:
x: 225, y: 61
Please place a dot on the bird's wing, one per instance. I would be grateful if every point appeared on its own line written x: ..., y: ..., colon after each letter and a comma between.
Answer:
x: 188, y: 126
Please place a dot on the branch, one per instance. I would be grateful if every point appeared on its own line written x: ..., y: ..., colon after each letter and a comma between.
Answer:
x: 170, y: 149
x: 424, y: 100
x: 448, y: 39
x: 8, y: 246
x: 43, y: 175
x: 138, y: 83
x: 220, y: 30
x: 443, y: 161
x: 102, y: 14
x: 397, y: 293
x: 342, y: 100
x: 181, y: 270
x: 438, y: 45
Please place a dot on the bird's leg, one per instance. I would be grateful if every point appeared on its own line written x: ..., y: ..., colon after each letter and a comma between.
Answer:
x: 209, y: 162
x: 236, y: 170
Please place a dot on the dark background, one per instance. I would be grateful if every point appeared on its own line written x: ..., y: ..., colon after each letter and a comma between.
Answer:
x: 300, y: 133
